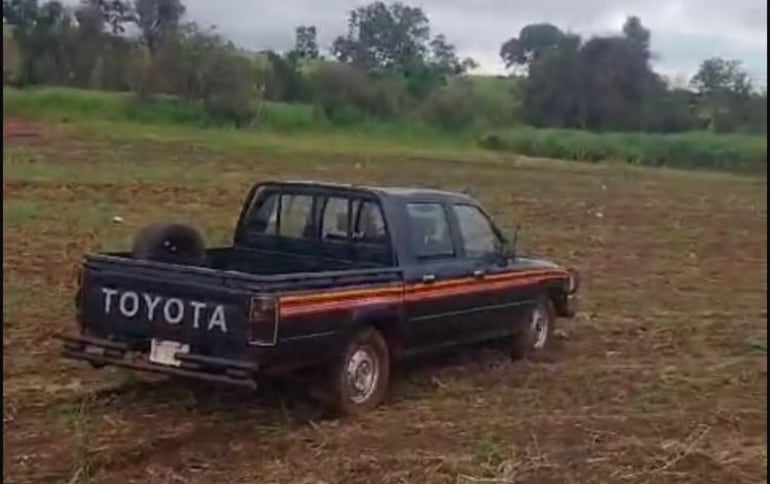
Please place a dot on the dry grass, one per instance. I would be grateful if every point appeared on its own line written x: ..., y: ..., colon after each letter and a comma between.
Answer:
x: 662, y: 377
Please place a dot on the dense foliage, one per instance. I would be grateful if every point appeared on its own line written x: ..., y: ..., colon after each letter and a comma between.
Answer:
x: 388, y: 66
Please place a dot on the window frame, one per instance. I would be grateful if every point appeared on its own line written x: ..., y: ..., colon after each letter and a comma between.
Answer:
x: 357, y: 221
x: 262, y: 197
x: 322, y: 213
x: 454, y: 254
x: 461, y: 240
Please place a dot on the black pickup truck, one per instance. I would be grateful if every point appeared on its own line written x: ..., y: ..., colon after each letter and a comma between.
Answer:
x: 336, y: 279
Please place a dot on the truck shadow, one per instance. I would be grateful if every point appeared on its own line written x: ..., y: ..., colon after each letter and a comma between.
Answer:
x: 288, y: 399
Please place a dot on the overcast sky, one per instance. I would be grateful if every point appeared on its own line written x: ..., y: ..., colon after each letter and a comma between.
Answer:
x: 684, y: 32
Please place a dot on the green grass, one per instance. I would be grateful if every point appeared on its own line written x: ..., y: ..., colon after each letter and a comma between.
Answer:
x: 738, y: 153
x: 300, y: 129
x: 65, y: 104
x: 20, y: 211
x: 79, y: 105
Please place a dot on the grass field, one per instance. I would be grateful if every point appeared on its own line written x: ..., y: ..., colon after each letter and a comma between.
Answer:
x: 661, y: 378
x: 495, y: 130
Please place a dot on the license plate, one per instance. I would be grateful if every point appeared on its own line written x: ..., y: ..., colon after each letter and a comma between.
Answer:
x: 164, y: 352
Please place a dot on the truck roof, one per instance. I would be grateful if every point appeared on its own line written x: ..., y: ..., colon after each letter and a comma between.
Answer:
x: 389, y: 191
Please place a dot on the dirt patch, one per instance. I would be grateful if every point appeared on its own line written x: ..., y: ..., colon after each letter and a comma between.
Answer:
x: 22, y: 129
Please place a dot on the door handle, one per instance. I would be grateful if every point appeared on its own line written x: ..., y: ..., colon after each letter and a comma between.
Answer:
x: 428, y: 278
x: 478, y: 274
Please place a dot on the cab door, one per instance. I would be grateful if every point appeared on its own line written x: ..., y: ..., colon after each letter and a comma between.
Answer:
x: 495, y: 300
x: 435, y: 280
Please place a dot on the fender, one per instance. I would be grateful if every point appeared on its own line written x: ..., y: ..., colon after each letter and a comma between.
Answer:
x: 388, y: 319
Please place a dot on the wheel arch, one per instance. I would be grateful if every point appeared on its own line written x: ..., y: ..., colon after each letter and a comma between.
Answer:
x: 387, y: 322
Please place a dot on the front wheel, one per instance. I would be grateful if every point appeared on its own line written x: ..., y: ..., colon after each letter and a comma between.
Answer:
x: 360, y: 378
x: 535, y: 334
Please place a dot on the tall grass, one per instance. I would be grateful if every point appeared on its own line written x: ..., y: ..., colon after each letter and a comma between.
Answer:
x: 735, y: 153
x: 739, y: 153
x: 65, y: 104
x: 78, y: 105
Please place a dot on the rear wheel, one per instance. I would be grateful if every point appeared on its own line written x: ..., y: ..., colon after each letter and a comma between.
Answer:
x: 360, y: 378
x: 535, y: 335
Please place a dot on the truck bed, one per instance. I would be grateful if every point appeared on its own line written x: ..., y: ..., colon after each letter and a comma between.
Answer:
x: 266, y: 262
x: 209, y: 307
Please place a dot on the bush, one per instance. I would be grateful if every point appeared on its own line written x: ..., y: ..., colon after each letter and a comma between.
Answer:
x: 741, y: 153
x: 232, y: 94
x: 347, y: 94
x: 451, y: 108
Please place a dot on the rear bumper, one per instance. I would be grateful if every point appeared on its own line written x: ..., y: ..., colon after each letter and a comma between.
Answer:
x: 102, y: 352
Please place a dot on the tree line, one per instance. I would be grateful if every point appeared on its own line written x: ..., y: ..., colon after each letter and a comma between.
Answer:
x: 388, y: 65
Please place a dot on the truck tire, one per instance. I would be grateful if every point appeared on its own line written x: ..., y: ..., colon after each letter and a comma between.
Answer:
x: 535, y: 335
x: 359, y: 379
x: 170, y: 242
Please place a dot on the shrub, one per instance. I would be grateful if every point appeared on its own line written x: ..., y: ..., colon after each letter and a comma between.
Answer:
x: 347, y: 94
x: 450, y: 107
x: 233, y: 94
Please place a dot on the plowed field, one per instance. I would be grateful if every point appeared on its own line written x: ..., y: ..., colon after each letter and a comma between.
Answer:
x: 660, y: 378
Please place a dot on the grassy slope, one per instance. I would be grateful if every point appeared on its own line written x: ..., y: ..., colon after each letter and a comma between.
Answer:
x: 304, y: 125
x: 662, y: 375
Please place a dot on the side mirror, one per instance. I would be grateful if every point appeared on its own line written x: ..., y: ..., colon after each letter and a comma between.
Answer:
x: 509, y: 251
x: 508, y: 246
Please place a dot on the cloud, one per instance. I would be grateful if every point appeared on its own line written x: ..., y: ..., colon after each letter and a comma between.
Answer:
x: 684, y: 32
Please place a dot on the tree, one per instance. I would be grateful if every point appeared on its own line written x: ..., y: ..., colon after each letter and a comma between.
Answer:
x: 35, y: 31
x: 157, y: 19
x: 285, y: 81
x: 115, y: 13
x: 533, y: 42
x: 552, y: 93
x: 603, y: 83
x: 89, y: 44
x: 638, y: 35
x: 393, y: 37
x: 444, y: 57
x: 725, y: 93
x: 305, y: 43
x: 717, y: 75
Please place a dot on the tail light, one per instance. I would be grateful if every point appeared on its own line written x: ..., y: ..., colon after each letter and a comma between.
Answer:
x: 263, y: 321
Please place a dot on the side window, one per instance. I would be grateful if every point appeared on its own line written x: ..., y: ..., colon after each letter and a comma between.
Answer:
x: 430, y: 230
x: 296, y: 216
x: 264, y: 217
x: 334, y: 221
x: 478, y: 236
x: 295, y: 219
x: 370, y: 227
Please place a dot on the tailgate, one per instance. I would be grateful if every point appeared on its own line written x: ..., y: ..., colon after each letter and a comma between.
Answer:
x: 135, y: 301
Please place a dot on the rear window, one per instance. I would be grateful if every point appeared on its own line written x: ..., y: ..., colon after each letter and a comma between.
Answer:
x: 430, y: 230
x: 285, y: 215
x: 335, y: 219
x: 370, y: 225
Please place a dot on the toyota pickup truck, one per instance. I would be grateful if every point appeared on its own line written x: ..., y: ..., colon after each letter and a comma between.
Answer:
x: 338, y: 279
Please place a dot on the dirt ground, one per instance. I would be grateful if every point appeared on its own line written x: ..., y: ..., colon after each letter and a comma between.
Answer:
x: 661, y: 377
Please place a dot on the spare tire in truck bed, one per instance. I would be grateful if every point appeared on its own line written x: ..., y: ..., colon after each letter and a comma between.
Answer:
x: 170, y: 242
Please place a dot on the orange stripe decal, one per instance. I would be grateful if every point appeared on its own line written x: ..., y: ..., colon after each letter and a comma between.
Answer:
x: 348, y: 299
